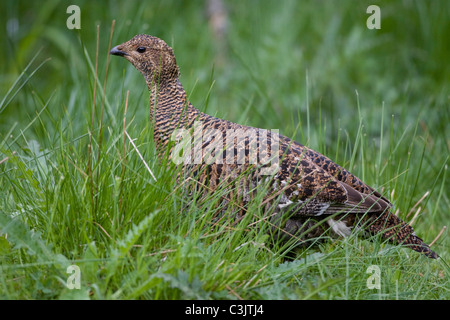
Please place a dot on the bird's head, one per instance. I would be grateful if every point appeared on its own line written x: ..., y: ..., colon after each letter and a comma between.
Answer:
x: 151, y: 56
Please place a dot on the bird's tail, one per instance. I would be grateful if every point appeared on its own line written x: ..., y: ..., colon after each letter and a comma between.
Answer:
x: 397, y: 231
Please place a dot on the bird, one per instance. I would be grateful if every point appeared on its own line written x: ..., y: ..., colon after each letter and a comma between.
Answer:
x: 311, y: 195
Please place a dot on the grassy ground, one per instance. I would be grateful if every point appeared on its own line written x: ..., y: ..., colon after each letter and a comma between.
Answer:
x: 74, y: 191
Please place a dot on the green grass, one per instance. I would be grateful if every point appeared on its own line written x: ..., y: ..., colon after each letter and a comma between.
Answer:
x: 375, y: 101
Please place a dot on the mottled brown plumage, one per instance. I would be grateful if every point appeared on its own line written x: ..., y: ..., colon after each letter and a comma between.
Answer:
x: 306, y: 186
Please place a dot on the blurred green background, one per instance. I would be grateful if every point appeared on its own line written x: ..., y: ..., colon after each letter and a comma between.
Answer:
x: 270, y: 55
x: 375, y: 101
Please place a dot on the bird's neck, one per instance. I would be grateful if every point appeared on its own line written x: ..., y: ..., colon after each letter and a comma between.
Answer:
x: 170, y: 109
x: 162, y: 92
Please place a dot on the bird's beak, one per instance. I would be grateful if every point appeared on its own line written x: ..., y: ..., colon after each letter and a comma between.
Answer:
x: 117, y: 52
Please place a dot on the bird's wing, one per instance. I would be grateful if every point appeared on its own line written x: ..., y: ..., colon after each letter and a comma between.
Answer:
x: 316, y: 185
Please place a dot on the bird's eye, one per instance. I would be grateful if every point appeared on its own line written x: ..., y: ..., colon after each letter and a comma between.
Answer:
x: 140, y: 49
